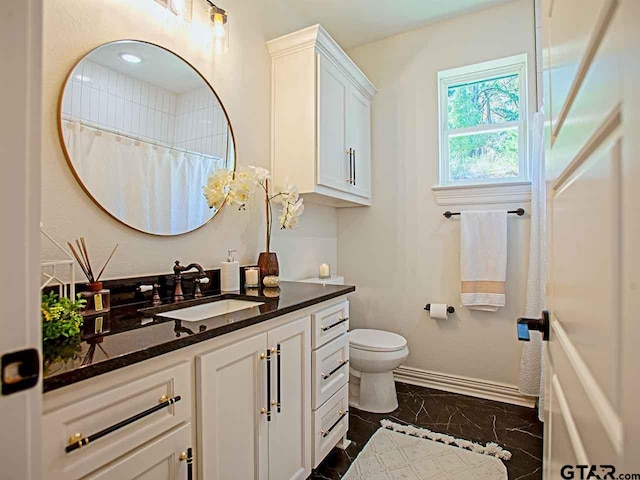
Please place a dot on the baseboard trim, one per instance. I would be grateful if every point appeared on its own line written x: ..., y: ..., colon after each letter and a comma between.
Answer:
x: 500, y: 392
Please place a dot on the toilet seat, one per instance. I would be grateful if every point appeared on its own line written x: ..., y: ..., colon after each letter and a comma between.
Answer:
x: 376, y: 340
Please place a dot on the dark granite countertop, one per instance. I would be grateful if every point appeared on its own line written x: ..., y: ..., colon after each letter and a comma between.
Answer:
x: 131, y: 333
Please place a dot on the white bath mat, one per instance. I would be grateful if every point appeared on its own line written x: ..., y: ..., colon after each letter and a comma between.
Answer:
x: 391, y: 455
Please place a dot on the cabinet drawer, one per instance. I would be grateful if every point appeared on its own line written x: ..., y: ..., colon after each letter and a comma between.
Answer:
x: 98, y: 413
x: 331, y: 422
x: 157, y: 460
x: 330, y: 323
x: 330, y: 369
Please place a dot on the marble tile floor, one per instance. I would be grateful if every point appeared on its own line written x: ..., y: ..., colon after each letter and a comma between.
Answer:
x: 515, y: 428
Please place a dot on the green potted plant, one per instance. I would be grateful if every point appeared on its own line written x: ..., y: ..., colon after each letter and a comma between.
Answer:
x: 61, y: 322
x: 60, y: 317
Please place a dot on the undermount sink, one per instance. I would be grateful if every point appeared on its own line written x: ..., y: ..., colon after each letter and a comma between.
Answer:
x: 209, y: 310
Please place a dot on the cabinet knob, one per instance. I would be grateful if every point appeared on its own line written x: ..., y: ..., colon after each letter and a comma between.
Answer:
x: 75, y: 438
x: 263, y: 411
x: 163, y: 399
x: 183, y: 456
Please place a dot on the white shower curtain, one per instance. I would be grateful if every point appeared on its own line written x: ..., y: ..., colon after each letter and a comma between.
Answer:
x: 149, y: 187
x: 531, y: 363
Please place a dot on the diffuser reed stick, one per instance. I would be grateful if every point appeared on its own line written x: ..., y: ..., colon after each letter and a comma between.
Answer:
x: 107, y: 262
x: 84, y: 261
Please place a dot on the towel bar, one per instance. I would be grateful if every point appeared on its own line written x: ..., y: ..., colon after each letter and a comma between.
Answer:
x: 520, y: 212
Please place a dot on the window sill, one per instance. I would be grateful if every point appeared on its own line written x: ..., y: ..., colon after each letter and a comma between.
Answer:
x: 480, y: 194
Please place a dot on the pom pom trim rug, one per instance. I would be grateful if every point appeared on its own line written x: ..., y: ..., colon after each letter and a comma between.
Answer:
x: 406, y: 452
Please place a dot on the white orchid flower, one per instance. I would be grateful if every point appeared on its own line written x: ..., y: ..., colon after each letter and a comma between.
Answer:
x: 261, y: 175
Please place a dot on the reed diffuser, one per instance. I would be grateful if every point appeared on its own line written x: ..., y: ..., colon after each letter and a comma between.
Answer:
x: 97, y: 297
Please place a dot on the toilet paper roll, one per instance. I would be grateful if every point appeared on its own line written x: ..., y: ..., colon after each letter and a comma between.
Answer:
x: 438, y: 311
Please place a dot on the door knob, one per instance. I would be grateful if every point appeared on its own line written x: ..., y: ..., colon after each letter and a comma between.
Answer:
x: 540, y: 324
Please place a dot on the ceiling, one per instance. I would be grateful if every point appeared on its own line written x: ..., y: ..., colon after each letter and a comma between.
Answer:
x: 356, y: 22
x: 158, y: 67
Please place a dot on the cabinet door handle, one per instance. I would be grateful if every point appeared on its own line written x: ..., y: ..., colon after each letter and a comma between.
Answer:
x: 278, y: 387
x: 268, y: 385
x: 188, y: 457
x: 354, y: 166
x: 325, y: 433
x: 342, y: 320
x: 350, y: 167
x: 77, y: 440
x: 342, y: 364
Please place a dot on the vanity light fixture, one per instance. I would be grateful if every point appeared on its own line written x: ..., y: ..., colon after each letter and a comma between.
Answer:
x: 177, y: 7
x: 220, y: 19
x: 130, y: 58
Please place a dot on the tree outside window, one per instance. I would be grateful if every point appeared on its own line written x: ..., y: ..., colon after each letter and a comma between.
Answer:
x: 482, y: 131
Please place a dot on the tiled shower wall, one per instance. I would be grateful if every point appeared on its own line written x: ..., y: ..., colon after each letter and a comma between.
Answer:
x: 193, y: 120
x: 106, y: 98
x: 201, y: 123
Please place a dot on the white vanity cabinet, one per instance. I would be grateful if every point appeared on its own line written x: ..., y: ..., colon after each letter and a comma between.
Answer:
x: 330, y: 378
x: 73, y: 418
x: 162, y: 459
x: 242, y: 406
x: 254, y: 401
x: 321, y: 125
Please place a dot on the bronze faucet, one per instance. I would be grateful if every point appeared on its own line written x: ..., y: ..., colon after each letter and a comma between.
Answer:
x: 177, y: 280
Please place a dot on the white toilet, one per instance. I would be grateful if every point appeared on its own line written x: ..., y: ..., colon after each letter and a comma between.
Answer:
x: 373, y: 355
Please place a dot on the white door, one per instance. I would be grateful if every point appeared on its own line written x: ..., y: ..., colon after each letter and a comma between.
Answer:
x: 359, y: 140
x: 20, y: 140
x: 232, y: 404
x: 165, y: 458
x: 592, y: 408
x: 290, y: 427
x: 333, y: 88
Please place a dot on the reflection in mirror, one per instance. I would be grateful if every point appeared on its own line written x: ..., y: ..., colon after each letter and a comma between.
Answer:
x: 142, y: 131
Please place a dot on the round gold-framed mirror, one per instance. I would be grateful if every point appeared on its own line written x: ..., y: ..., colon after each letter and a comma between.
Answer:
x: 142, y: 130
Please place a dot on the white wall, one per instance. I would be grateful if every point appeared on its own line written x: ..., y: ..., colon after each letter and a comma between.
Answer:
x: 241, y: 78
x: 401, y: 252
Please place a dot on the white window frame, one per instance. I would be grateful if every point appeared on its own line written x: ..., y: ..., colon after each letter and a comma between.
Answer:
x: 516, y: 64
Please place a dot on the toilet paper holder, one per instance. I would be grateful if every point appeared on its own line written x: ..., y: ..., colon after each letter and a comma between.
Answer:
x: 450, y: 309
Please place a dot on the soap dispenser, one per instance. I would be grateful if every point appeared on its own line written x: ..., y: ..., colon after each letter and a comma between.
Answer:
x: 230, y: 274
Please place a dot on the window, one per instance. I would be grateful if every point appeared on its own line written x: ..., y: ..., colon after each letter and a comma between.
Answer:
x: 483, y: 113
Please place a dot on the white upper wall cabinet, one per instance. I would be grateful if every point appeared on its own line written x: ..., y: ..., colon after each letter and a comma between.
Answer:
x: 321, y: 124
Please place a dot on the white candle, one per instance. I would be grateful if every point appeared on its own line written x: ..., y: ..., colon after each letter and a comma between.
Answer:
x: 325, y: 271
x: 251, y: 276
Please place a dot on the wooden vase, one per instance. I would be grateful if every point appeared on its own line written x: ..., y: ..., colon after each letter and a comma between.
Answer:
x: 268, y: 264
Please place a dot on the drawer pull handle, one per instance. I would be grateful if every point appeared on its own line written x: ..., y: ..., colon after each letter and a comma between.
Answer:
x: 342, y: 364
x: 342, y: 320
x: 188, y: 457
x: 268, y: 357
x: 76, y: 443
x: 278, y: 392
x: 325, y: 433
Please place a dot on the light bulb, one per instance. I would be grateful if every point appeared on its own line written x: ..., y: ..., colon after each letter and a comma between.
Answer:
x: 218, y: 26
x: 218, y: 46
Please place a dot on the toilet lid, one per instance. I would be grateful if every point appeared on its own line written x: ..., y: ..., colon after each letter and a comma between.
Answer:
x: 376, y: 340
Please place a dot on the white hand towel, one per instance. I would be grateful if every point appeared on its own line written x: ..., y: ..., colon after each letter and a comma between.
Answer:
x: 483, y: 259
